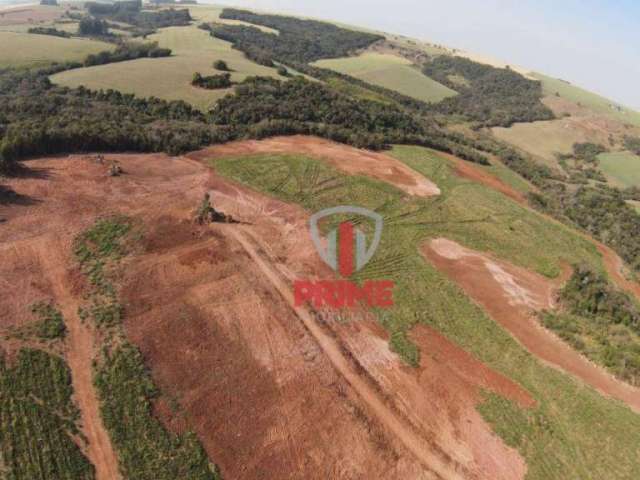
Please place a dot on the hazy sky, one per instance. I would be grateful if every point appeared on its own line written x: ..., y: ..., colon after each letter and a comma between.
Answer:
x: 592, y: 43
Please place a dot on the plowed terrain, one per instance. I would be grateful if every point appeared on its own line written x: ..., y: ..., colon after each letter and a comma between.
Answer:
x: 510, y: 295
x: 348, y: 159
x: 271, y: 391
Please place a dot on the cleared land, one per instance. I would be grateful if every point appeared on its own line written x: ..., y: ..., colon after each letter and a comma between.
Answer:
x: 169, y: 78
x: 621, y: 168
x: 588, y: 99
x: 557, y: 438
x: 27, y: 50
x: 390, y: 71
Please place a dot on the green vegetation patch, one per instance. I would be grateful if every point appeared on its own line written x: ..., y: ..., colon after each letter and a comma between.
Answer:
x: 51, y: 324
x: 38, y: 420
x: 574, y: 432
x: 146, y: 450
x: 32, y: 50
x: 392, y: 72
x: 601, y: 321
x: 621, y: 168
x: 95, y: 250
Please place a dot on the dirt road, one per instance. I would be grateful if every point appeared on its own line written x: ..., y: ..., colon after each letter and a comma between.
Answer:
x: 416, y: 445
x: 80, y: 352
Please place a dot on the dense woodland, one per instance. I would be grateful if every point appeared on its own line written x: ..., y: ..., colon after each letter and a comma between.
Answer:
x: 298, y: 41
x: 131, y: 12
x: 487, y: 95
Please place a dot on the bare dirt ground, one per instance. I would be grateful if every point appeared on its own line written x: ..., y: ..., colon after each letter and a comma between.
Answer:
x: 510, y: 295
x: 257, y: 381
x: 348, y: 159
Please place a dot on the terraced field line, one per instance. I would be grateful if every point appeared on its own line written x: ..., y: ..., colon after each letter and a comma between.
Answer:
x: 79, y: 355
x: 404, y: 433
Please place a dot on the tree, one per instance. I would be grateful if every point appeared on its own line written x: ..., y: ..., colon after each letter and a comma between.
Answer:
x: 221, y: 65
x: 93, y: 27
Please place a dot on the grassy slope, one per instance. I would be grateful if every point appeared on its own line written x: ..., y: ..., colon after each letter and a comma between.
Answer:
x: 587, y: 99
x: 541, y: 139
x: 574, y: 433
x: 169, y: 78
x: 391, y: 72
x: 621, y: 168
x: 26, y: 50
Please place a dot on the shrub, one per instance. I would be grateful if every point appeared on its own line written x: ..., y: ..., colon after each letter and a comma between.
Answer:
x: 221, y: 65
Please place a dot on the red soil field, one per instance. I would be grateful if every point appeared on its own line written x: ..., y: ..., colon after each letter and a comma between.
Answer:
x: 269, y: 391
x: 510, y: 294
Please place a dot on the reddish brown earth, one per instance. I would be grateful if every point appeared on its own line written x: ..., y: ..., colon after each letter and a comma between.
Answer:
x: 510, y: 295
x: 270, y: 391
x: 348, y: 159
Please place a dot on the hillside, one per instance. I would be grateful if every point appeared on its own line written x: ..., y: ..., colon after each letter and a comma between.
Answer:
x: 173, y: 306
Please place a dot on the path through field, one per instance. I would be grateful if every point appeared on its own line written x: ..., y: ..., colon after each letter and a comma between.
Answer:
x: 80, y: 352
x: 416, y: 445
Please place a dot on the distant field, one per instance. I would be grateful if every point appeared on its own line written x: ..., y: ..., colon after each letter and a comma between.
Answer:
x: 621, y: 168
x: 26, y: 49
x: 169, y: 78
x: 587, y: 99
x: 390, y: 72
x: 542, y: 139
x: 211, y: 13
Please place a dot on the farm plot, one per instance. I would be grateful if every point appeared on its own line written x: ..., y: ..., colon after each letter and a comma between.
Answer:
x: 621, y: 168
x: 169, y: 78
x: 391, y: 72
x: 29, y: 50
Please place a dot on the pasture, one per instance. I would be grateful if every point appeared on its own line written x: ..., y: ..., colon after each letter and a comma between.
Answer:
x: 392, y: 72
x: 169, y: 78
x: 543, y: 139
x: 30, y: 50
x: 621, y: 168
x: 593, y: 101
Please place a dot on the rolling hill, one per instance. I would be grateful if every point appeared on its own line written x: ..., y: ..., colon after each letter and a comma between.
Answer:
x: 168, y: 309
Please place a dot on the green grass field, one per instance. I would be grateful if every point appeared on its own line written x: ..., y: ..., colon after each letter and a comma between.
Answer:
x: 169, y: 77
x: 588, y: 99
x: 574, y: 433
x: 621, y: 168
x: 28, y: 50
x: 391, y: 72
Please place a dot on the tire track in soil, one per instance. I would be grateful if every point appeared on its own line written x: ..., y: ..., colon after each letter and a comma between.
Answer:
x: 79, y: 354
x: 416, y: 445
